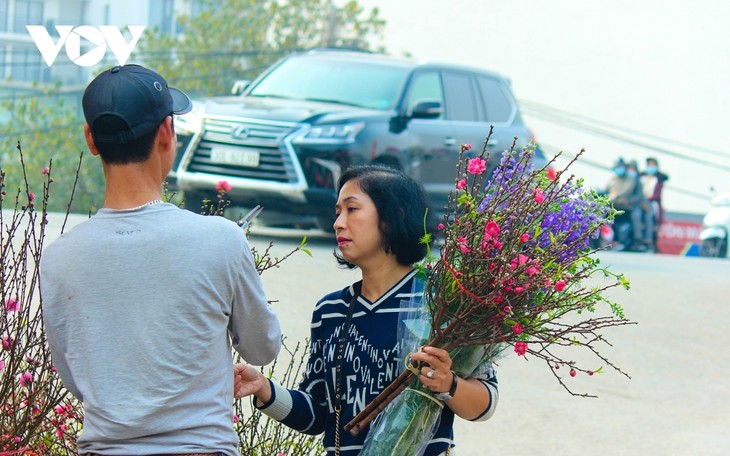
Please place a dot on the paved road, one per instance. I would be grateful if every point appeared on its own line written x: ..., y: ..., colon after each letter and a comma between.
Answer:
x: 676, y: 403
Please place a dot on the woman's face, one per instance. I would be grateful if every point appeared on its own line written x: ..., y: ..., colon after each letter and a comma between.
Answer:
x: 357, y: 225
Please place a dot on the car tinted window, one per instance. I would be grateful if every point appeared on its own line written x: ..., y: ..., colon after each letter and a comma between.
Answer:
x: 497, y: 103
x: 426, y: 86
x: 365, y: 84
x: 460, y: 97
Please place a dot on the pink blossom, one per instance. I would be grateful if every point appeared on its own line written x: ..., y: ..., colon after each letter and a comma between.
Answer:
x: 517, y: 328
x: 519, y: 260
x: 524, y: 238
x: 25, y: 379
x: 551, y: 174
x: 11, y: 305
x: 560, y: 285
x: 466, y: 146
x: 548, y: 282
x: 223, y: 187
x: 491, y: 229
x: 31, y: 196
x: 520, y: 348
x: 2, y: 365
x: 45, y: 170
x: 461, y: 185
x: 539, y: 196
x: 532, y: 270
x: 440, y: 226
x: 476, y: 165
x: 236, y: 419
x: 572, y: 372
x: 519, y: 290
x: 462, y: 245
x: 8, y: 342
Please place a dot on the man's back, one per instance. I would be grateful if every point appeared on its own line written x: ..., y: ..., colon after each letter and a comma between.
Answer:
x: 138, y: 305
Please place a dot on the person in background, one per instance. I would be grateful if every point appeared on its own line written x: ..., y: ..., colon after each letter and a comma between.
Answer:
x: 621, y: 189
x: 652, y: 183
x: 380, y: 220
x: 143, y: 302
x: 642, y: 217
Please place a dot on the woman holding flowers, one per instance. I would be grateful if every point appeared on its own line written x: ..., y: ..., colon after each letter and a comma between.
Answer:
x: 355, y: 350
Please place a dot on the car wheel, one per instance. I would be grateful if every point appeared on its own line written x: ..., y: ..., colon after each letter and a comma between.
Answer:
x: 713, y: 247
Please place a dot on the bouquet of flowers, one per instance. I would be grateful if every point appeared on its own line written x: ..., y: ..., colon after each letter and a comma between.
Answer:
x: 515, y: 262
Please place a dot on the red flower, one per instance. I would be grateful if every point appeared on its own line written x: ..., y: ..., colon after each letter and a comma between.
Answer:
x: 223, y: 187
x: 440, y: 226
x: 520, y: 348
x: 11, y: 305
x: 476, y: 165
x: 524, y: 238
x: 560, y: 285
x: 552, y: 174
x: 572, y: 372
x: 519, y: 260
x: 539, y: 196
x: 491, y: 229
x: 461, y: 185
x: 517, y: 328
x: 26, y: 378
x: 462, y: 245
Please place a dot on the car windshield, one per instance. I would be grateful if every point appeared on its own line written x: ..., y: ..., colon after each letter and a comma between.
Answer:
x: 369, y: 85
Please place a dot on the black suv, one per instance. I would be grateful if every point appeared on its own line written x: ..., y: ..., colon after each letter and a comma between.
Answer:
x: 286, y: 138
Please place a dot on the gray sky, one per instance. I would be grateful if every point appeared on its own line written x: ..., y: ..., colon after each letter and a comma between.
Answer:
x: 656, y: 67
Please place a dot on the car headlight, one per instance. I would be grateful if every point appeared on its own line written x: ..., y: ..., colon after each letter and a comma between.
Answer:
x: 334, y: 133
x: 190, y: 123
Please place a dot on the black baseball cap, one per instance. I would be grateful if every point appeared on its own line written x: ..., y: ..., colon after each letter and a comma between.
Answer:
x: 125, y: 102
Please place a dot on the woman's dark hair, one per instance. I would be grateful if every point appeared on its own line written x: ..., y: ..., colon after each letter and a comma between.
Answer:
x: 401, y: 203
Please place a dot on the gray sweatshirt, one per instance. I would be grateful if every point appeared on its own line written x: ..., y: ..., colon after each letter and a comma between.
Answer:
x: 141, y: 309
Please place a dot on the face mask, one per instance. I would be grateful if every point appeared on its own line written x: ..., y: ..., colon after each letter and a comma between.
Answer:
x: 632, y: 173
x: 620, y: 171
x: 650, y: 170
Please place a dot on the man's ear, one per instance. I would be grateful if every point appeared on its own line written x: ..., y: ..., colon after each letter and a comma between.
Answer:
x: 90, y: 140
x: 165, y: 133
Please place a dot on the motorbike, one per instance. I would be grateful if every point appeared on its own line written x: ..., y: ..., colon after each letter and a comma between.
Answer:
x: 716, y: 227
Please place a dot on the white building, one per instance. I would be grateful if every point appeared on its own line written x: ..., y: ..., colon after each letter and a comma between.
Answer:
x: 22, y: 67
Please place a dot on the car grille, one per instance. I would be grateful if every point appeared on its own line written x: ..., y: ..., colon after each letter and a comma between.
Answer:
x: 275, y: 162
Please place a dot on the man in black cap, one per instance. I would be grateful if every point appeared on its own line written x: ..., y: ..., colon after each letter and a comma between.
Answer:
x: 143, y: 301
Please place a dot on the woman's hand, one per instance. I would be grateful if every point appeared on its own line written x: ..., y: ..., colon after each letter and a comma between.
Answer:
x: 435, y: 368
x: 248, y: 380
x: 471, y: 398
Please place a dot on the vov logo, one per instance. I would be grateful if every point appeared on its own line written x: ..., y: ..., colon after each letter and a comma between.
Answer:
x: 101, y: 37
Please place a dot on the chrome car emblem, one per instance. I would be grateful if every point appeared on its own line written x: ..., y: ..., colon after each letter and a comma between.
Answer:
x: 241, y: 133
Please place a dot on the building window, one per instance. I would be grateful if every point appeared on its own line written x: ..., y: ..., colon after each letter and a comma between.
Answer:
x: 4, y: 15
x: 162, y: 15
x: 27, y: 12
x: 26, y: 65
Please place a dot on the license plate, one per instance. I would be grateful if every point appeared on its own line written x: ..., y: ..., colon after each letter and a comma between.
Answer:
x: 234, y: 156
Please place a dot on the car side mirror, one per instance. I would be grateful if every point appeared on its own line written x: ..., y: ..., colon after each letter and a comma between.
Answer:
x: 239, y: 86
x: 427, y: 109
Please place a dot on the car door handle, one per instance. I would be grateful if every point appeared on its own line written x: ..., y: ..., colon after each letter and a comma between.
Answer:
x: 449, y: 141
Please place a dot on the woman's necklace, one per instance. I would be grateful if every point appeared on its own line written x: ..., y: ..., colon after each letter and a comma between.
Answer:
x: 149, y: 203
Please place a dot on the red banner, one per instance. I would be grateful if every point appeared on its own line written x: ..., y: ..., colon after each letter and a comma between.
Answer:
x: 679, y: 237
